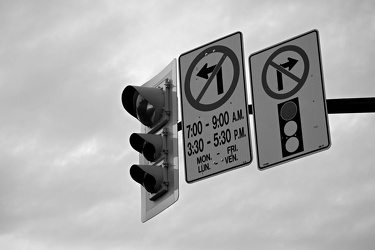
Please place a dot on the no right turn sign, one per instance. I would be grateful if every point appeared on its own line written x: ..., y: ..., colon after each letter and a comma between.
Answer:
x: 290, y: 111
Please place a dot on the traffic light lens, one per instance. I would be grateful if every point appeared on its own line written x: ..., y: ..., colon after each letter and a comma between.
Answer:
x: 149, y: 183
x: 145, y: 111
x: 147, y: 180
x: 149, y: 152
x: 288, y: 111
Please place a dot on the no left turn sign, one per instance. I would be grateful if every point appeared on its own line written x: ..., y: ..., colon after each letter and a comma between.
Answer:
x: 214, y: 108
x: 226, y: 54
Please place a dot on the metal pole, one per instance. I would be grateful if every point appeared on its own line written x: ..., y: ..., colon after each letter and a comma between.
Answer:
x: 338, y: 106
x: 351, y: 105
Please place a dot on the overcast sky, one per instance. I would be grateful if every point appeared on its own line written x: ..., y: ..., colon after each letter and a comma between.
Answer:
x: 64, y: 150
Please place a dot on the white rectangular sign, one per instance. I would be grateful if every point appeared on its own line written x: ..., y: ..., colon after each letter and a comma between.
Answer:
x: 214, y: 108
x: 290, y: 111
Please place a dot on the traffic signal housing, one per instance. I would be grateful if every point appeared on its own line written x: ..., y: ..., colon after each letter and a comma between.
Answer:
x: 154, y: 104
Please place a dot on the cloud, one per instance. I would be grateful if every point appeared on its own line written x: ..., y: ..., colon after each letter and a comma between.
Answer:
x: 64, y: 151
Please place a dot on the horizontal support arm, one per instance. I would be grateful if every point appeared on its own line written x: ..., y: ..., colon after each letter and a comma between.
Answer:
x: 338, y: 106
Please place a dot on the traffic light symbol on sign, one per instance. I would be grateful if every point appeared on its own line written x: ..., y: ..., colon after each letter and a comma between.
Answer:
x: 290, y: 127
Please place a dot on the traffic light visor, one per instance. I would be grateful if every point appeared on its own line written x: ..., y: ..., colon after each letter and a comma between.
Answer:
x: 150, y: 145
x: 144, y: 103
x: 149, y: 176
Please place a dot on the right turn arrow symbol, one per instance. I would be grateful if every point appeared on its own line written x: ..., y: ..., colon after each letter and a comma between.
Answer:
x: 289, y: 64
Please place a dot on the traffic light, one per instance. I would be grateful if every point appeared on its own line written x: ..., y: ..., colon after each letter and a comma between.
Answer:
x: 290, y: 127
x: 154, y: 104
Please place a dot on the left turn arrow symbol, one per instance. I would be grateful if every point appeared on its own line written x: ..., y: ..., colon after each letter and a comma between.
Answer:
x: 219, y: 76
x: 205, y: 71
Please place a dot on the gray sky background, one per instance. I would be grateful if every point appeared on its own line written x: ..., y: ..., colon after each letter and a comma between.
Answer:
x: 64, y: 150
